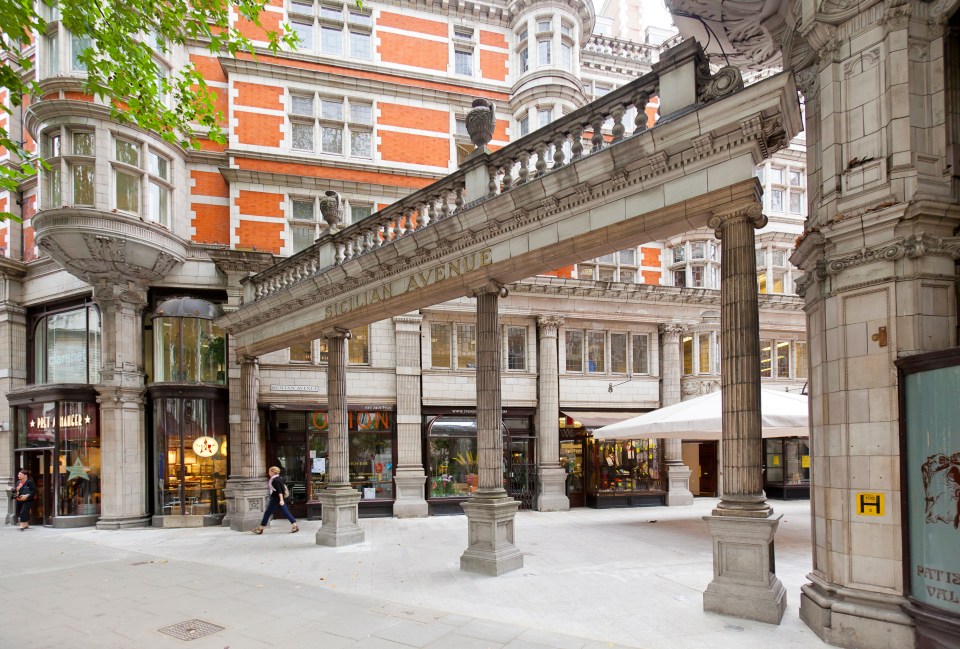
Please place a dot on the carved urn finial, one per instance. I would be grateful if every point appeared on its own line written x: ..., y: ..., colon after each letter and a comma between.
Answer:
x: 481, y: 121
x: 331, y: 208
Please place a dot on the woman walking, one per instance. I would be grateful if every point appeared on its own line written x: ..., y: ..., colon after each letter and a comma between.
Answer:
x: 276, y: 500
x: 24, y: 494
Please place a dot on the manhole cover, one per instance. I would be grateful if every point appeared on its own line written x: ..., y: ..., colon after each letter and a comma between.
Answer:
x: 191, y: 629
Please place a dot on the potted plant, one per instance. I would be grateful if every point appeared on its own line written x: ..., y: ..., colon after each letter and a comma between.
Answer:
x: 468, y: 461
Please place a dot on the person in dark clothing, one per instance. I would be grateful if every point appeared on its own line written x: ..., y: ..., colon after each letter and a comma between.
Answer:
x: 24, y: 494
x: 276, y: 500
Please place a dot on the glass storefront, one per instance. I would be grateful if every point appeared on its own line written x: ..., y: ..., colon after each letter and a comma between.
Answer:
x: 189, y: 412
x: 58, y: 440
x: 298, y: 443
x: 66, y: 346
x: 450, y: 458
x: 624, y: 473
x: 190, y: 453
x: 786, y: 472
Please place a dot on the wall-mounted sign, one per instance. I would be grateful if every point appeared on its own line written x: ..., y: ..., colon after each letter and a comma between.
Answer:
x: 294, y: 388
x: 66, y: 421
x: 869, y: 504
x: 206, y: 446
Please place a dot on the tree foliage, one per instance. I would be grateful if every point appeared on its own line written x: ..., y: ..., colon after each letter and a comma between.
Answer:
x: 120, y: 40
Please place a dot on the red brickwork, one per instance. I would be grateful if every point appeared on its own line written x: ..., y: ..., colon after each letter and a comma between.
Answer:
x: 212, y: 223
x: 650, y: 276
x: 416, y: 52
x: 492, y: 39
x: 208, y: 67
x: 493, y: 65
x: 209, y: 183
x: 414, y: 149
x: 260, y: 203
x: 262, y: 236
x: 332, y: 173
x: 270, y: 21
x: 254, y: 128
x: 410, y: 24
x: 423, y: 119
x: 258, y: 96
x: 650, y: 256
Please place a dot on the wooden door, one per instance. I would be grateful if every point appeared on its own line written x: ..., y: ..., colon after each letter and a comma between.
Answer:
x: 708, y: 468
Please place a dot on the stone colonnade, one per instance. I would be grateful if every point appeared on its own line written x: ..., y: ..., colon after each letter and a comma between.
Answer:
x: 678, y: 475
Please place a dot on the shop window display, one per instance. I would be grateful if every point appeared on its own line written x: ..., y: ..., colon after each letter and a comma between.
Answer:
x: 786, y: 467
x: 621, y: 467
x: 371, y: 463
x: 452, y: 457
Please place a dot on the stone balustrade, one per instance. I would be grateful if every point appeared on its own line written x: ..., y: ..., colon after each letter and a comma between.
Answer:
x: 678, y: 79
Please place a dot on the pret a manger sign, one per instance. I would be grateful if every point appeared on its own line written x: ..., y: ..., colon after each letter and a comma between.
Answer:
x: 418, y: 280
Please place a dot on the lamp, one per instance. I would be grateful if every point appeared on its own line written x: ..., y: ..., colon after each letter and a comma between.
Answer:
x: 171, y: 457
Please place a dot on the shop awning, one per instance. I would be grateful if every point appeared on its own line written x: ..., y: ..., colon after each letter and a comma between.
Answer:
x: 591, y: 419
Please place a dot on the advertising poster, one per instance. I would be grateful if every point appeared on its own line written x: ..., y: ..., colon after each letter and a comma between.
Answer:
x: 932, y: 468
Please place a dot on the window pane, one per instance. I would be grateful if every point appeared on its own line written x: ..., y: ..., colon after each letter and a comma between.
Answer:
x: 301, y: 352
x: 93, y: 344
x: 66, y: 347
x: 303, y: 210
x: 696, y: 276
x: 618, y: 353
x: 628, y: 276
x: 596, y: 361
x: 679, y: 254
x: 566, y: 56
x: 440, y: 345
x: 566, y: 29
x: 302, y: 136
x: 762, y: 286
x: 79, y: 490
x: 777, y: 283
x: 640, y: 352
x: 516, y: 348
x: 783, y: 359
x: 158, y: 166
x: 360, y: 18
x: 543, y: 25
x: 78, y: 45
x: 524, y: 60
x: 779, y: 257
x: 776, y: 200
x: 466, y: 346
x: 463, y: 62
x: 305, y: 8
x: 776, y: 175
x: 794, y: 178
x: 304, y: 32
x: 453, y: 465
x: 331, y: 40
x: 524, y: 126
x: 128, y: 192
x: 301, y: 105
x: 53, y: 55
x: 704, y: 354
x: 83, y: 184
x: 800, y: 360
x: 359, y: 346
x: 544, y: 116
x: 331, y: 109
x: 679, y: 278
x: 543, y: 49
x: 360, y: 46
x: 160, y: 204
x: 360, y: 212
x: 332, y: 140
x: 53, y: 196
x: 697, y: 250
x: 766, y: 359
x: 83, y: 144
x: 795, y: 200
x: 361, y: 113
x: 190, y: 352
x: 128, y: 153
x: 360, y: 142
x: 303, y: 236
x: 628, y: 257
x: 574, y: 348
x: 212, y: 353
x: 686, y: 346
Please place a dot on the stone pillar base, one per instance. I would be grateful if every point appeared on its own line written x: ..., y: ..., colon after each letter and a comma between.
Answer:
x: 490, y: 549
x: 246, y: 501
x: 678, y: 479
x: 340, y: 517
x: 744, y: 582
x: 123, y: 522
x: 854, y: 618
x: 552, y: 496
x: 410, y: 501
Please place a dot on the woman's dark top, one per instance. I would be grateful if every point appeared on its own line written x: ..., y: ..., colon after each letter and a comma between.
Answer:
x: 278, y: 485
x: 29, y: 488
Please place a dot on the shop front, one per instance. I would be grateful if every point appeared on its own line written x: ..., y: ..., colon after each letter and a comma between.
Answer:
x: 786, y: 474
x: 624, y: 473
x: 450, y: 456
x: 57, y: 439
x: 298, y: 443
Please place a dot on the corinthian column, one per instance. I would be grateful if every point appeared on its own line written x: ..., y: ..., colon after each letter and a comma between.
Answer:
x: 491, y: 512
x: 120, y: 394
x: 742, y: 525
x: 553, y: 479
x: 678, y: 475
x: 339, y: 500
x: 246, y: 490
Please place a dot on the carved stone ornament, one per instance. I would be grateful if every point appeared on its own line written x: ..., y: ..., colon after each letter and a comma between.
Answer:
x: 887, y: 252
x: 481, y: 120
x: 331, y: 208
x: 726, y: 81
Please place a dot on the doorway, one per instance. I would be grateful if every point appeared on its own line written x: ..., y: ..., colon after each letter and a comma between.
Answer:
x: 290, y: 455
x: 708, y: 469
x: 39, y: 462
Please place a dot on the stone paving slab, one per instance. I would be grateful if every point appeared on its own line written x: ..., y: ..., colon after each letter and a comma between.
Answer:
x: 592, y: 579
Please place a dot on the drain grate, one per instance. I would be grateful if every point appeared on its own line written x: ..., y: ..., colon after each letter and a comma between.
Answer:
x: 191, y: 629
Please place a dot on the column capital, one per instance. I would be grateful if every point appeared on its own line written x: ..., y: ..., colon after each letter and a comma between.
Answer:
x: 337, y: 332
x: 247, y: 359
x: 549, y: 324
x: 106, y: 293
x: 750, y: 211
x: 671, y: 331
x: 491, y: 287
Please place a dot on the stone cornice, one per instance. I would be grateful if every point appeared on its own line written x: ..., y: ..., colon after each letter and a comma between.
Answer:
x: 244, y: 262
x: 396, y: 83
x: 12, y: 269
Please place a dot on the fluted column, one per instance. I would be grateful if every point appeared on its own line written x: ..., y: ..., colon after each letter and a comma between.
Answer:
x: 246, y: 487
x: 678, y: 474
x: 491, y: 512
x: 409, y: 477
x: 740, y: 363
x: 744, y: 582
x: 552, y: 496
x: 120, y: 394
x: 339, y: 500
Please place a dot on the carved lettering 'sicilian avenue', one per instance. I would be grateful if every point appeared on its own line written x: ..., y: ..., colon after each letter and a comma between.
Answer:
x: 419, y: 280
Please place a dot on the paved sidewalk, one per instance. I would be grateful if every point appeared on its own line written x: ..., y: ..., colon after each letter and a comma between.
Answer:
x: 591, y: 579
